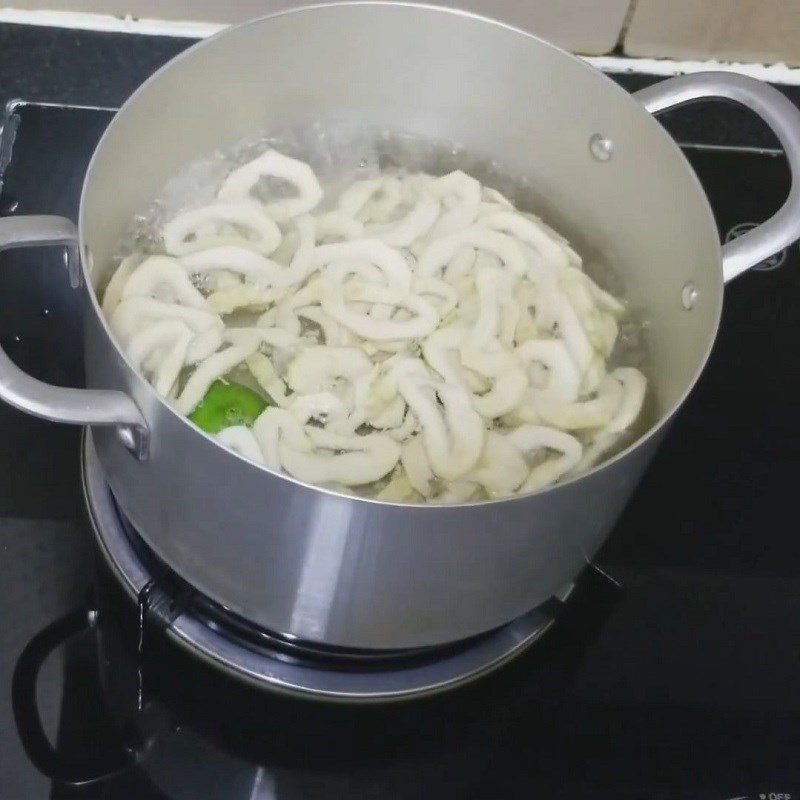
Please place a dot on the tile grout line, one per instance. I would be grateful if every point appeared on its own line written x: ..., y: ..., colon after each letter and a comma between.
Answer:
x: 771, y: 73
x: 626, y: 24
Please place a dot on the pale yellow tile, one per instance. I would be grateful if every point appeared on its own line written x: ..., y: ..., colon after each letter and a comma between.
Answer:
x: 736, y: 30
x: 585, y: 26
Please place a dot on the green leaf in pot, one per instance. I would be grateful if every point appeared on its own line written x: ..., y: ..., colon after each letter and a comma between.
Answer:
x: 226, y: 405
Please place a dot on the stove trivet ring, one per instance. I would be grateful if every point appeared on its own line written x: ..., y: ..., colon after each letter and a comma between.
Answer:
x: 273, y: 662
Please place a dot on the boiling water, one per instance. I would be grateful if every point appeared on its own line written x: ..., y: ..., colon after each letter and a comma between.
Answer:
x: 340, y: 155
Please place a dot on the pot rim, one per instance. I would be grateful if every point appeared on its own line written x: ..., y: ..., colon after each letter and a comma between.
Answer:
x: 611, y: 85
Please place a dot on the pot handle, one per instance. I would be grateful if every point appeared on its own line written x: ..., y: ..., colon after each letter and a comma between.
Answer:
x: 59, y: 403
x: 782, y: 116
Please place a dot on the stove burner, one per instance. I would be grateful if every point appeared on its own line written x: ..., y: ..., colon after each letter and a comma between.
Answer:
x: 275, y: 661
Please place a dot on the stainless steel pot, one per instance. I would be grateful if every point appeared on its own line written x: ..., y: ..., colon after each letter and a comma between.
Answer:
x: 339, y: 570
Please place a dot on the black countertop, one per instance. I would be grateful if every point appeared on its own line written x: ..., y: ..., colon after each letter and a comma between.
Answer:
x: 102, y: 69
x: 58, y: 65
x: 720, y: 714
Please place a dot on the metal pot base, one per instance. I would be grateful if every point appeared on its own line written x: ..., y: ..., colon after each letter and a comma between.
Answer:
x: 277, y: 663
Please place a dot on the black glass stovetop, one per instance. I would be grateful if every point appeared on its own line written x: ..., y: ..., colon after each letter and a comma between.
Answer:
x: 681, y: 682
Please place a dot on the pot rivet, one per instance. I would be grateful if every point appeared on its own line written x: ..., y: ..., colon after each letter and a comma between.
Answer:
x: 601, y: 147
x: 689, y: 295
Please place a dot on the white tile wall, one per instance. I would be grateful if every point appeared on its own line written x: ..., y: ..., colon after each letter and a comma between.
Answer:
x: 584, y: 26
x: 737, y: 30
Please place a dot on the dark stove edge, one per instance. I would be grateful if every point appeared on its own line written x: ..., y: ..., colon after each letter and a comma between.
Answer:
x: 8, y: 134
x: 94, y: 68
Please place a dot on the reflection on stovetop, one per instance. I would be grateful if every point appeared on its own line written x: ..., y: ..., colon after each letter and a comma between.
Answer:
x: 681, y: 684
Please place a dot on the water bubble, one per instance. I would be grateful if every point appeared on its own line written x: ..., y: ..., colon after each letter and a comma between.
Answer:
x: 203, y: 281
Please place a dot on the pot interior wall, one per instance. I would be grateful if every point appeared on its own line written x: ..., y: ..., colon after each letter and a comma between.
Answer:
x: 497, y: 92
